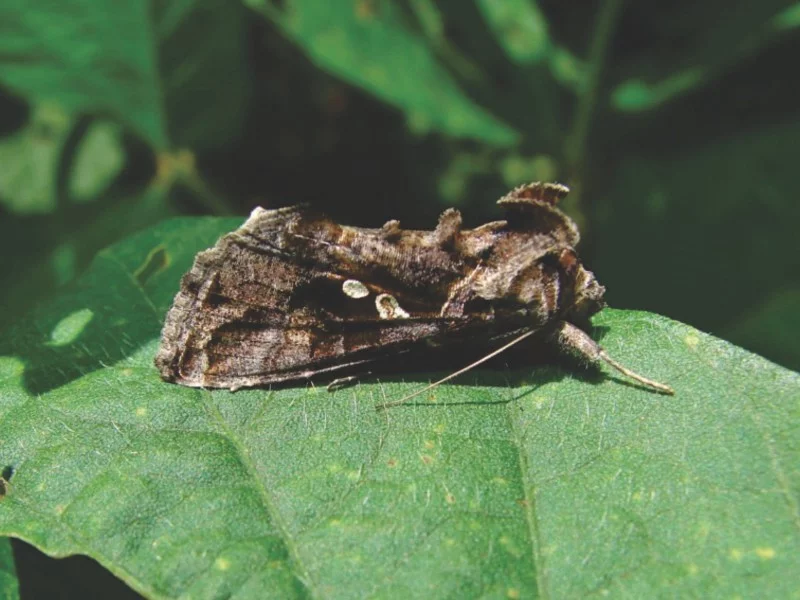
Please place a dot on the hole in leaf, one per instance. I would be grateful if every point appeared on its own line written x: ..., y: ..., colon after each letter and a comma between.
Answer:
x: 5, y: 476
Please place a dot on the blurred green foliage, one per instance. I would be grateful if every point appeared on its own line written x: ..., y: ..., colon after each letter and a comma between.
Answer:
x: 675, y: 124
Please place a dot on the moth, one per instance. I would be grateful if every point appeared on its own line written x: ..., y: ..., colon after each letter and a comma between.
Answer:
x: 291, y: 294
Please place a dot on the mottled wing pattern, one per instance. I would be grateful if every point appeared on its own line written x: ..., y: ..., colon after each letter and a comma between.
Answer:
x: 291, y: 294
x: 268, y: 303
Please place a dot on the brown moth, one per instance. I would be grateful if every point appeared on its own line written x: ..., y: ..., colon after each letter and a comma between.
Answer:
x: 291, y: 294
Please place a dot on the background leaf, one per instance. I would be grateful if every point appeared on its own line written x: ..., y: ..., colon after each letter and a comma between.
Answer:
x: 76, y: 180
x: 59, y: 246
x: 714, y: 43
x: 136, y: 62
x: 524, y: 483
x: 367, y: 44
x: 32, y: 157
x: 9, y: 586
x: 521, y: 29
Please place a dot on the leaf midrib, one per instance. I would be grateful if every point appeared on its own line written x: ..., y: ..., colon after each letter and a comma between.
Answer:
x: 529, y: 498
x: 300, y: 569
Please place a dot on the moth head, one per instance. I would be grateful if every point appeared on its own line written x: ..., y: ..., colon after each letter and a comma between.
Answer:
x: 557, y: 275
x: 581, y: 294
x: 536, y: 279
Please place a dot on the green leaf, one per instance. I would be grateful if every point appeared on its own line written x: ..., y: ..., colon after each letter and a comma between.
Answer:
x: 368, y: 45
x: 142, y: 63
x: 527, y: 483
x: 719, y: 41
x: 789, y: 18
x: 31, y: 158
x: 9, y: 586
x: 61, y: 245
x: 521, y: 29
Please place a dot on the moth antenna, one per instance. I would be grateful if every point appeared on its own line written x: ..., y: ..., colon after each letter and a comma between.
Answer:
x: 661, y: 387
x: 461, y: 371
x: 571, y: 338
x: 577, y: 342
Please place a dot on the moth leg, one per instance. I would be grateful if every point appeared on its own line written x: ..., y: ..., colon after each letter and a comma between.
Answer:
x: 577, y: 343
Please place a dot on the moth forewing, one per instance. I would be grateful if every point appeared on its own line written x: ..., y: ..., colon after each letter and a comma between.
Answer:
x: 292, y: 295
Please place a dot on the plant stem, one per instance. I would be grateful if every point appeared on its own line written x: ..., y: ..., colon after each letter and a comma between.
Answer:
x: 575, y: 145
x: 210, y: 200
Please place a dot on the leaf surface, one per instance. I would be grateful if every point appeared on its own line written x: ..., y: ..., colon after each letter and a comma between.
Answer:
x: 9, y: 586
x: 538, y: 482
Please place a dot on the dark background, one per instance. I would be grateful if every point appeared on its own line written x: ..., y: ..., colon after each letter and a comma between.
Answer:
x: 677, y: 126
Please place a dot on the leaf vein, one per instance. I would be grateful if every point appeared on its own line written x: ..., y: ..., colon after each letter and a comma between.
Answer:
x: 529, y: 496
x: 269, y: 505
